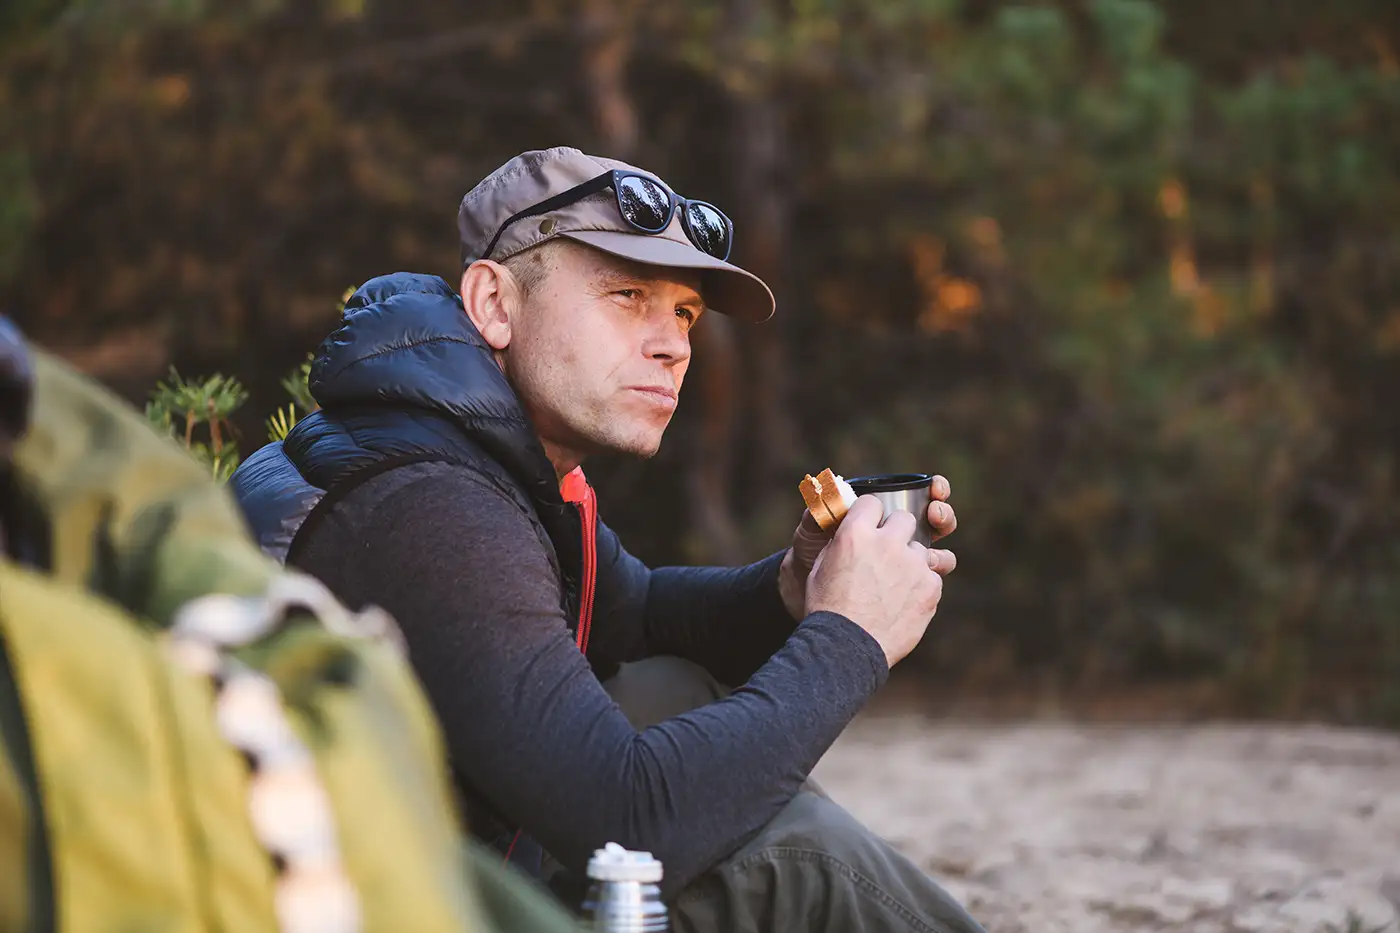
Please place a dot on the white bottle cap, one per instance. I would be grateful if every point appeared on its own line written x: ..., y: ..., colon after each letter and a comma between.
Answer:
x: 614, y: 863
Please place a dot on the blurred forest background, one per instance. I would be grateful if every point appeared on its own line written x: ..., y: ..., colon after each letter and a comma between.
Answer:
x: 1128, y: 273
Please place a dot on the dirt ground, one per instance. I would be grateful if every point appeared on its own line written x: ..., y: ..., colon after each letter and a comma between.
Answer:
x: 1050, y: 827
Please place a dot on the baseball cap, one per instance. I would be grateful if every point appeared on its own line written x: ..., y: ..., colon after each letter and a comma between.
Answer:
x: 595, y: 221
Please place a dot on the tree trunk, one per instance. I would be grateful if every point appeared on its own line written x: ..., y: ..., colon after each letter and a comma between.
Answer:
x: 710, y: 467
x: 761, y: 237
x: 606, y: 28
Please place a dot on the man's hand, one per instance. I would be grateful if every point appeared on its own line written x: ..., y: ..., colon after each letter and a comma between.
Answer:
x: 877, y: 577
x: 809, y: 539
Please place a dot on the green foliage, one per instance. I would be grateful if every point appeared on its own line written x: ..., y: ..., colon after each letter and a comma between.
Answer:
x: 297, y: 385
x: 1139, y: 415
x: 1128, y: 272
x: 281, y: 422
x: 18, y: 210
x: 180, y: 406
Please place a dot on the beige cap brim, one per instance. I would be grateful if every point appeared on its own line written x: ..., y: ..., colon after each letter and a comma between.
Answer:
x: 726, y: 288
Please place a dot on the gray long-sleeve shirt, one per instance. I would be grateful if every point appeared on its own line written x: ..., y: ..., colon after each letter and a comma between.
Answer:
x: 529, y: 727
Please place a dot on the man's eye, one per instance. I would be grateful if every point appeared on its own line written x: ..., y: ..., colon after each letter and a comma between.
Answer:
x: 628, y: 293
x: 686, y: 314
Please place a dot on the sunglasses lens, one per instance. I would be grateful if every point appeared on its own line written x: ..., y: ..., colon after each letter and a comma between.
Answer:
x: 644, y: 204
x: 708, y: 229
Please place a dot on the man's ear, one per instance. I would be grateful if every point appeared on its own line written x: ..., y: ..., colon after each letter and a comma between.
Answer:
x: 491, y: 298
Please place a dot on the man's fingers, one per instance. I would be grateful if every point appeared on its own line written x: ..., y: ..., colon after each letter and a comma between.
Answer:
x: 809, y: 527
x: 943, y: 519
x: 940, y: 489
x: 867, y: 511
x: 942, y: 562
x: 901, y: 523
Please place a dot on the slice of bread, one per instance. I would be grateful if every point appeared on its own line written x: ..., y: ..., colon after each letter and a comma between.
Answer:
x: 811, y: 490
x: 828, y: 497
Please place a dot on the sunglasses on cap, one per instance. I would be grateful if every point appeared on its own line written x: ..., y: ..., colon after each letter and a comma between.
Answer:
x: 648, y: 206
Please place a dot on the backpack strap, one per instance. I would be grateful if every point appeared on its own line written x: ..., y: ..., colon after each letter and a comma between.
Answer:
x: 30, y: 888
x: 288, y: 805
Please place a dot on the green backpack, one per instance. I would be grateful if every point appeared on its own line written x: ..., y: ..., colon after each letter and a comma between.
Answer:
x: 192, y: 738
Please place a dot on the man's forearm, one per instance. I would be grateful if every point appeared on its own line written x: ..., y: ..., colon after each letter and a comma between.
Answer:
x: 730, y: 620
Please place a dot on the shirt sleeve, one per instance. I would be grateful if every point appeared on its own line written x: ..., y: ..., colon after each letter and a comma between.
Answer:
x: 530, y: 727
x: 729, y: 620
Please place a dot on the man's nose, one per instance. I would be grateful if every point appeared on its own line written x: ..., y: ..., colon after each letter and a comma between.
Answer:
x: 668, y: 342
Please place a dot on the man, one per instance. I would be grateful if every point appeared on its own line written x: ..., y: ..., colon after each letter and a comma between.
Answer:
x: 441, y: 481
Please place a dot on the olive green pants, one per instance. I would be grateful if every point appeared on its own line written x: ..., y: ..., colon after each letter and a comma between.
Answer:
x: 814, y: 868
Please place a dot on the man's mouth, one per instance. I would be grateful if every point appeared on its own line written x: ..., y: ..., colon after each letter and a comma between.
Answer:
x: 661, y: 396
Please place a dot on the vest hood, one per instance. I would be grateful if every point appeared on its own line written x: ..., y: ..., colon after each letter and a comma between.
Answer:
x: 406, y: 375
x: 406, y: 341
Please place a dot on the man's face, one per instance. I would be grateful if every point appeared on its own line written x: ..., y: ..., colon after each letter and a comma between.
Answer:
x: 599, y: 348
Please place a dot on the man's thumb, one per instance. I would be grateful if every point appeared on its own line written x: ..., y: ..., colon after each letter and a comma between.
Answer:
x: 809, y: 526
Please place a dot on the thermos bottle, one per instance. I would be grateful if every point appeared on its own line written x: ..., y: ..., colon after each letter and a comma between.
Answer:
x: 623, y: 893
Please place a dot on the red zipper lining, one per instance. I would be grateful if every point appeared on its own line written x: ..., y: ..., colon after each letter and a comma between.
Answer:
x: 510, y: 850
x: 575, y: 489
x: 588, y: 511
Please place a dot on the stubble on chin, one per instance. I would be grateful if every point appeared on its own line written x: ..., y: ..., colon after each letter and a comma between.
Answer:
x: 643, y: 445
x: 639, y: 439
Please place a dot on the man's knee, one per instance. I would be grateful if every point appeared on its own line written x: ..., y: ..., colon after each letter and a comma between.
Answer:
x: 815, y: 867
x: 815, y: 824
x: 656, y: 689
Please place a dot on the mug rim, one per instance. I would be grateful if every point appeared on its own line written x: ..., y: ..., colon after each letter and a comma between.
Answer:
x: 890, y: 482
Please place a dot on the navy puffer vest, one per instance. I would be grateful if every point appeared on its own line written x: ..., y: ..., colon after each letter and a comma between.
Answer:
x: 406, y: 378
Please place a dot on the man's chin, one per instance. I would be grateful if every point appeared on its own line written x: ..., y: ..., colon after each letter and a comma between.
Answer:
x: 640, y: 450
x: 622, y: 433
x: 643, y: 446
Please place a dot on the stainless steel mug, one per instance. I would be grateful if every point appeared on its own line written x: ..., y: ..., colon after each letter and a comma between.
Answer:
x: 907, y: 491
